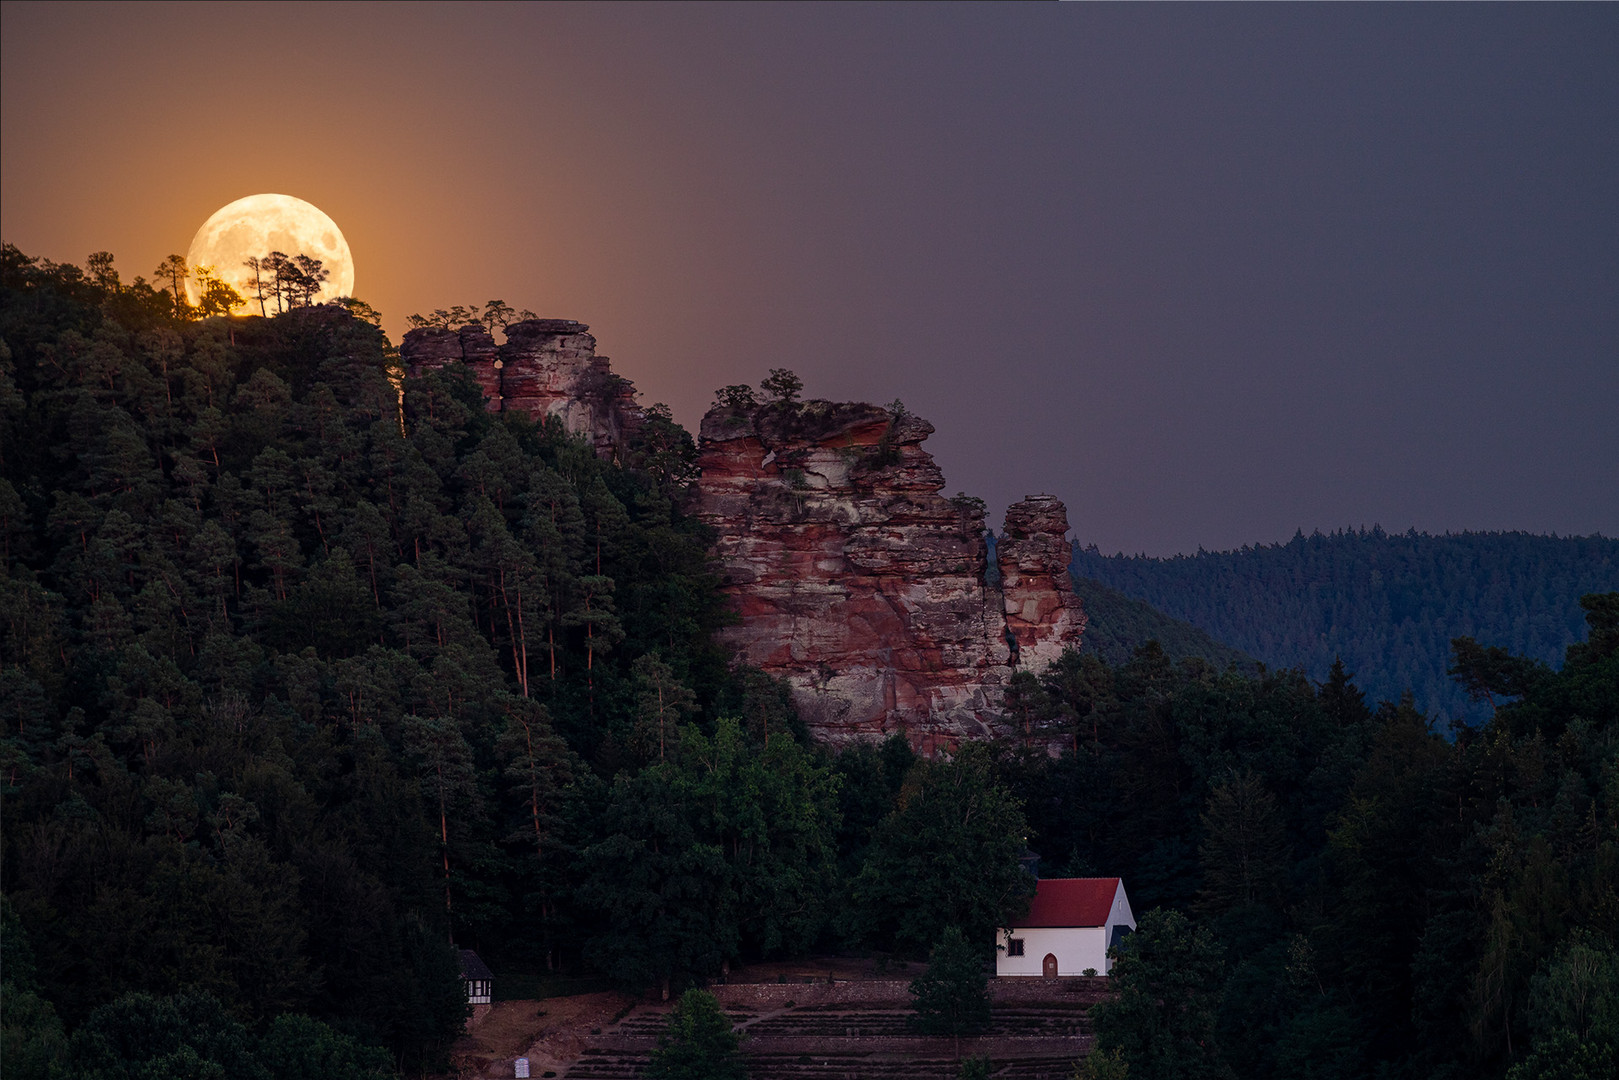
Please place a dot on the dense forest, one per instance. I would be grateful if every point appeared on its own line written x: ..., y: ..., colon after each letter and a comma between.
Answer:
x: 1117, y: 625
x: 309, y: 669
x: 1388, y: 605
x: 1333, y: 890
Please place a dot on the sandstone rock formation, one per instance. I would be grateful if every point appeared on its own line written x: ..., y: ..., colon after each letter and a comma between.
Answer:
x: 855, y: 580
x: 1043, y: 616
x: 864, y: 587
x: 548, y: 368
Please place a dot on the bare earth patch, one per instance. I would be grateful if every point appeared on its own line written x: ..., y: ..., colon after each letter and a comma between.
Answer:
x: 550, y: 1033
x: 815, y: 1019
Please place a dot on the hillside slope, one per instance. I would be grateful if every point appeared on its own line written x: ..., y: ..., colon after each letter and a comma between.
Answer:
x: 1388, y: 604
x: 1118, y: 625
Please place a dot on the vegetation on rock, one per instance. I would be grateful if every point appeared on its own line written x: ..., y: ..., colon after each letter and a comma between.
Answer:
x: 308, y: 668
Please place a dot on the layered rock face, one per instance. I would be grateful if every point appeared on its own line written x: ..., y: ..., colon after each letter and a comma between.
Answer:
x: 855, y: 580
x: 1043, y: 616
x: 548, y: 368
x: 865, y: 588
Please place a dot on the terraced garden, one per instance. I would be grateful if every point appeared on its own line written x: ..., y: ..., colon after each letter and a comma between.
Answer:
x: 860, y: 1029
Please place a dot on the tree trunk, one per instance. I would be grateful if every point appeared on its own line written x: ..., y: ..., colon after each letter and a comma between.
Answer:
x: 444, y: 849
x: 514, y: 633
x: 522, y: 641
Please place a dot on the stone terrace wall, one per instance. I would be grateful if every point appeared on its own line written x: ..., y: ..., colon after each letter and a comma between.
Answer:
x: 762, y: 997
x: 861, y: 1028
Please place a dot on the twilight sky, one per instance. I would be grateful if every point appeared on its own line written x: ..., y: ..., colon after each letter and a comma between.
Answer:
x: 1209, y: 274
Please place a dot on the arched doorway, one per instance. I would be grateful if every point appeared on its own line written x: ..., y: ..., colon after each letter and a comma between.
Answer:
x: 1048, y: 966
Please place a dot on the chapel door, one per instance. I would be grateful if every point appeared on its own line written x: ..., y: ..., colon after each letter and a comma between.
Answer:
x: 1048, y: 966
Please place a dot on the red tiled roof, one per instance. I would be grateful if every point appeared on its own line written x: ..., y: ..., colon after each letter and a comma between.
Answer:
x: 1081, y: 901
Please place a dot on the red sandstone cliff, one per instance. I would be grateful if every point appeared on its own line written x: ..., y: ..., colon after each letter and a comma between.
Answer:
x: 548, y: 368
x: 862, y: 586
x: 855, y: 580
x: 1043, y: 616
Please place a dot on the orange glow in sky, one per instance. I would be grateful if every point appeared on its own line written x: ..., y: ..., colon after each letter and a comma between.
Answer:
x: 1209, y: 274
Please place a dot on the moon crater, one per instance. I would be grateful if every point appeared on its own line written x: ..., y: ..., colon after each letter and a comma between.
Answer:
x: 259, y: 224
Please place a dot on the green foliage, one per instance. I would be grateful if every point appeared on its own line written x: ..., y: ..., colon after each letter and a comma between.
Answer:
x: 217, y: 298
x: 299, y: 1048
x: 191, y: 1037
x: 174, y: 273
x: 1389, y: 605
x: 665, y: 451
x: 699, y: 1043
x: 445, y: 318
x: 1387, y: 898
x: 360, y: 310
x: 286, y: 659
x: 869, y: 781
x: 32, y: 1039
x: 290, y: 666
x: 1162, y: 1020
x: 976, y: 1068
x: 1120, y: 624
x: 1102, y: 1064
x: 781, y: 386
x: 1489, y: 673
x: 1244, y: 849
x: 662, y: 704
x: 1560, y: 1055
x: 949, y: 854
x: 187, y: 1036
x: 1578, y: 991
x: 498, y: 313
x: 970, y: 506
x: 723, y: 850
x: 952, y: 996
x: 735, y: 398
x: 1574, y: 1014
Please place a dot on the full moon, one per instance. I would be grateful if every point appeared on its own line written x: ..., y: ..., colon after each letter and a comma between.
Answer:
x: 259, y: 224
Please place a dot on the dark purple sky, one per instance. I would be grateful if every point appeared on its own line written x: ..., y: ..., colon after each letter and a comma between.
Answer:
x: 1210, y: 274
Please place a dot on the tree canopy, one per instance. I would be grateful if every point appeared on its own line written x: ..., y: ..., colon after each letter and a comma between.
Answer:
x: 309, y: 667
x: 699, y: 1043
x: 952, y: 996
x: 1387, y: 604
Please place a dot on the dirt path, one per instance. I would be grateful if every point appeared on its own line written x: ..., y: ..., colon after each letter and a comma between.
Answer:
x: 743, y: 1025
x: 841, y: 1007
x: 550, y: 1033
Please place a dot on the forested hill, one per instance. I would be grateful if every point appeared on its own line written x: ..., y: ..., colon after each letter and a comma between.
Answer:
x: 308, y: 668
x: 1389, y: 605
x: 1117, y: 625
x: 296, y: 655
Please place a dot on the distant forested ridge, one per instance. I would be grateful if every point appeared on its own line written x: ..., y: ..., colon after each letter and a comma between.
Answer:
x: 1333, y: 890
x: 1389, y: 605
x: 1117, y: 625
